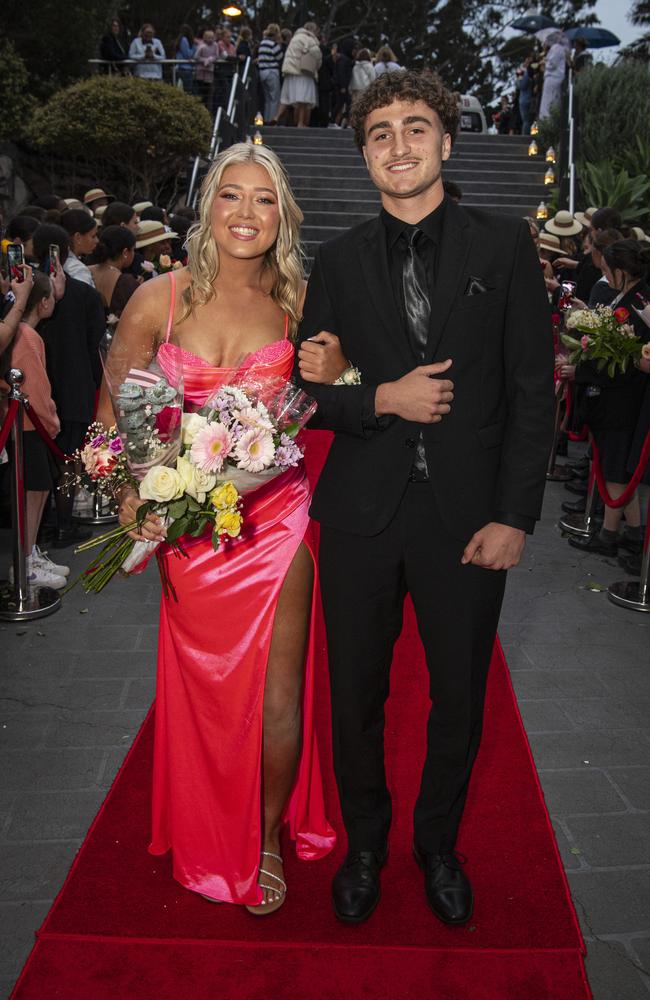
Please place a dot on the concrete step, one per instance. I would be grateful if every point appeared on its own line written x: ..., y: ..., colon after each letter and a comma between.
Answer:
x: 284, y: 144
x: 347, y: 135
x: 342, y: 173
x: 290, y: 156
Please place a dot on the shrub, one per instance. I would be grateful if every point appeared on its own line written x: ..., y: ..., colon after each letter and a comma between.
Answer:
x: 144, y: 129
x: 603, y: 184
x: 15, y: 99
x: 612, y: 109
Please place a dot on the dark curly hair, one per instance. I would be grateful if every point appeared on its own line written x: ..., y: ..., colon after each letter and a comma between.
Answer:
x: 405, y: 85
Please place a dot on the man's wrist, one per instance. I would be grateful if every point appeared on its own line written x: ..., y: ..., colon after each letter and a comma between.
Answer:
x: 383, y: 394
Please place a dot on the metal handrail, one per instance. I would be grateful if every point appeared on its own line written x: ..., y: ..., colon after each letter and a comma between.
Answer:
x: 222, y: 121
x: 572, y: 165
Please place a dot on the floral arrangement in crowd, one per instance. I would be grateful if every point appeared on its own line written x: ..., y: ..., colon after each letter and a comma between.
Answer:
x: 161, y: 265
x: 607, y: 338
x: 190, y: 469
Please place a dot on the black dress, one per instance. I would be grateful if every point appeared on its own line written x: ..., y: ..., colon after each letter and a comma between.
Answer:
x: 611, y: 407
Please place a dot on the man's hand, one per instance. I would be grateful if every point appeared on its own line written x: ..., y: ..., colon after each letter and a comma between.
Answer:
x: 58, y: 283
x: 496, y: 546
x: 418, y: 396
x: 321, y: 359
x: 22, y: 289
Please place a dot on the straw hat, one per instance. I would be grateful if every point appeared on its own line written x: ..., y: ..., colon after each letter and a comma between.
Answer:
x: 549, y: 242
x: 584, y: 218
x: 150, y: 232
x: 141, y: 205
x: 75, y: 203
x: 100, y: 211
x: 640, y: 235
x: 563, y: 224
x: 95, y: 194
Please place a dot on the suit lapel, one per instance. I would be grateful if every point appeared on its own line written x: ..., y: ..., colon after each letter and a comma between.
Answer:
x: 374, y: 265
x: 453, y: 253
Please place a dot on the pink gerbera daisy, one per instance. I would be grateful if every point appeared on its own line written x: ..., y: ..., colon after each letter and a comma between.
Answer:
x: 255, y: 450
x: 211, y: 447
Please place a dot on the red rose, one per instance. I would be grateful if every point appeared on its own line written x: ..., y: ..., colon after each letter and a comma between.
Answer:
x: 621, y: 314
x: 104, y: 465
x: 167, y: 422
x: 556, y: 319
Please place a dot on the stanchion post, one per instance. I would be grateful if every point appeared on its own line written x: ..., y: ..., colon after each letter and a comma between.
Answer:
x: 583, y: 524
x: 557, y: 473
x: 19, y: 602
x: 635, y: 594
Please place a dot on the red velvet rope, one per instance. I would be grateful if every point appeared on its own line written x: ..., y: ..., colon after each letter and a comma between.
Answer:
x: 38, y: 427
x: 626, y: 495
x: 5, y: 430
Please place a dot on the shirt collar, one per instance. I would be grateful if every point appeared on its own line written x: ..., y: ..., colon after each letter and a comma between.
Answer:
x: 431, y: 225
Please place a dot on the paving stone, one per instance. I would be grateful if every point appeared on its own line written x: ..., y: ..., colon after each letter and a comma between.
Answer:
x: 7, y: 800
x: 86, y: 637
x: 601, y: 747
x: 113, y: 762
x: 140, y: 693
x: 634, y: 783
x: 18, y: 731
x: 535, y: 684
x: 18, y: 924
x: 34, y: 871
x: 640, y: 946
x: 91, y: 694
x: 612, y: 902
x: 544, y: 716
x: 570, y: 859
x: 629, y: 635
x: 107, y: 664
x: 148, y: 638
x: 53, y: 815
x: 612, y: 840
x: 574, y: 791
x: 592, y: 658
x: 50, y: 769
x: 606, y: 713
x: 611, y: 972
x: 94, y: 729
x: 32, y: 665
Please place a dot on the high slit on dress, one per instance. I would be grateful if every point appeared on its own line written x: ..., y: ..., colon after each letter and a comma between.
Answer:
x: 212, y: 658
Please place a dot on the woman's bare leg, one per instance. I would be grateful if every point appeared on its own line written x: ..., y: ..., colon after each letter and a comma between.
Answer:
x: 35, y: 505
x: 283, y: 702
x: 613, y: 515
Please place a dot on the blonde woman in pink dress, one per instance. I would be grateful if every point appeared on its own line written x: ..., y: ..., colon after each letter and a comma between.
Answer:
x: 235, y: 753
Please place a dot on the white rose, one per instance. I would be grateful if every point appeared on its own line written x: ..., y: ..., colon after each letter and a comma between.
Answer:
x: 161, y: 484
x: 196, y: 482
x: 190, y: 427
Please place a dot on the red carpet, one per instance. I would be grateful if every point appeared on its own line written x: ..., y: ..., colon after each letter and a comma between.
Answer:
x: 122, y: 929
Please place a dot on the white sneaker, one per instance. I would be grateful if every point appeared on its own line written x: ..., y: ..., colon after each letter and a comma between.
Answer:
x: 39, y: 575
x: 42, y: 559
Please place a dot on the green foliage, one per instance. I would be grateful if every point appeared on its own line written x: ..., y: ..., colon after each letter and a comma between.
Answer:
x: 56, y: 39
x: 550, y: 130
x: 605, y: 184
x: 15, y: 100
x: 612, y: 109
x: 635, y: 158
x: 144, y: 128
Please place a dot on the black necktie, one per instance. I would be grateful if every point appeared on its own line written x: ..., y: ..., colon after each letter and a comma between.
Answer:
x: 418, y: 313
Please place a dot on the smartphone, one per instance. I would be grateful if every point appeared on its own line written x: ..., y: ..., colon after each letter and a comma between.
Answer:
x: 16, y: 261
x: 641, y: 299
x: 568, y: 289
x: 55, y: 259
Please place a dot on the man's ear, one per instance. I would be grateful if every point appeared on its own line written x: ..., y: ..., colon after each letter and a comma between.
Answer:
x: 446, y: 146
x: 364, y: 152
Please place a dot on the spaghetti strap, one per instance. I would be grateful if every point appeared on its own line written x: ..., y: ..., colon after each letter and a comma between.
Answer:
x: 286, y: 325
x: 172, y: 303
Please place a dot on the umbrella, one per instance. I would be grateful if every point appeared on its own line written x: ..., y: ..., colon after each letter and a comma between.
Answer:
x: 555, y: 34
x: 532, y: 23
x: 596, y: 38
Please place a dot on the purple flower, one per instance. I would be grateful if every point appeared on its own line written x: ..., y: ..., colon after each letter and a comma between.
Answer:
x: 115, y: 446
x: 287, y: 454
x: 98, y: 441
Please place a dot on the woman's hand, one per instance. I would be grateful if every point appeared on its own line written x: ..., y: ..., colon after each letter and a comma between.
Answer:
x: 321, y: 359
x: 21, y: 289
x: 152, y: 529
x: 58, y: 283
x: 567, y: 372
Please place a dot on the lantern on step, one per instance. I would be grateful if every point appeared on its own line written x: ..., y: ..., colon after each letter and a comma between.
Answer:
x: 257, y: 139
x: 549, y: 176
x: 532, y: 149
x: 534, y: 128
x: 550, y: 155
x: 258, y: 120
x: 542, y: 211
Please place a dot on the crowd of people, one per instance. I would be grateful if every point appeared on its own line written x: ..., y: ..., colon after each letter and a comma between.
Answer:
x: 592, y: 259
x: 84, y: 259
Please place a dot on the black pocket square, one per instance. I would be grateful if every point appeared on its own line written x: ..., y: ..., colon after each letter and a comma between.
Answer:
x: 476, y: 286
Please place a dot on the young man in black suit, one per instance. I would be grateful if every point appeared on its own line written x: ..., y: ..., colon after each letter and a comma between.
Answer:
x: 430, y: 485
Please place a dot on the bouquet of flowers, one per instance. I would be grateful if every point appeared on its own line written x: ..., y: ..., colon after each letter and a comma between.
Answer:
x: 607, y: 338
x: 191, y: 469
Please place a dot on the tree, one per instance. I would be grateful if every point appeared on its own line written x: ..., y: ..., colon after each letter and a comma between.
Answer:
x: 144, y: 130
x: 640, y: 47
x: 15, y: 99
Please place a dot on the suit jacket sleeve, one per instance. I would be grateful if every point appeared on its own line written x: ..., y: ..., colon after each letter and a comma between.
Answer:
x: 348, y: 409
x: 95, y: 330
x: 528, y: 365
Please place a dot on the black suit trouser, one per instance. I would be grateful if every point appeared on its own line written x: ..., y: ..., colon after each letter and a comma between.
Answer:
x: 364, y: 582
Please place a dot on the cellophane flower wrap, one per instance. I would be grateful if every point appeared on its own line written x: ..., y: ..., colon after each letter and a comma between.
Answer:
x: 192, y: 468
x: 607, y: 338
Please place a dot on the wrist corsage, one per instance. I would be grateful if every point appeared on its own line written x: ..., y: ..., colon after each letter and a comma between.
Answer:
x: 351, y: 376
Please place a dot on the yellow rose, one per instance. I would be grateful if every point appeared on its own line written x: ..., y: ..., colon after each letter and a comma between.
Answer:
x: 224, y: 496
x: 229, y: 521
x: 165, y: 260
x: 196, y: 482
x: 176, y: 266
x: 161, y: 484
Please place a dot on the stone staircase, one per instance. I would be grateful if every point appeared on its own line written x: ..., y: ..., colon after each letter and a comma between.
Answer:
x: 331, y: 182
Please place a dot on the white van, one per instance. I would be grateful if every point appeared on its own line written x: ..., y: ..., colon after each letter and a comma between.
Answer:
x: 472, y: 118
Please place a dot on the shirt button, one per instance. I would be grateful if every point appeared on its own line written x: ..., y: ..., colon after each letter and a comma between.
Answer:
x: 410, y: 442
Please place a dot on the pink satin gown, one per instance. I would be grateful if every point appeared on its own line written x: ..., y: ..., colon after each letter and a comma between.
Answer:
x: 212, y: 658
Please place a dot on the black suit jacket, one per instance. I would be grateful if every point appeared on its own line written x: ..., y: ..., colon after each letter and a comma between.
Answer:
x: 489, y: 454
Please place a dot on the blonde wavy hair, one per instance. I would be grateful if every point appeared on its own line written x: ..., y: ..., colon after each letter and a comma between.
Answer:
x: 284, y: 258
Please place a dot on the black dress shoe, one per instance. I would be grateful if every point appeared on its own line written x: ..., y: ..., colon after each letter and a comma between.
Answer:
x: 577, y: 486
x: 356, y: 889
x: 575, y: 506
x: 595, y: 545
x: 580, y: 472
x: 447, y: 888
x: 631, y: 564
x: 633, y: 545
x: 71, y: 536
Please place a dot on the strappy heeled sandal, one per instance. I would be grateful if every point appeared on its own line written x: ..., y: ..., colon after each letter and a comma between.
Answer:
x: 263, y: 909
